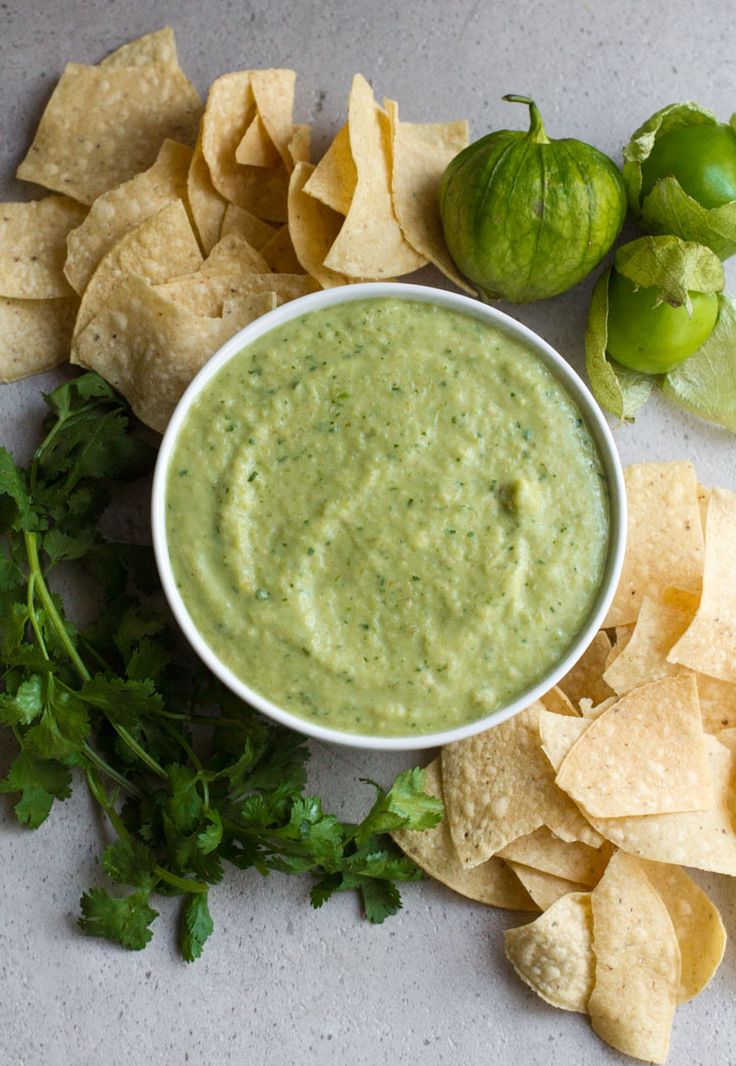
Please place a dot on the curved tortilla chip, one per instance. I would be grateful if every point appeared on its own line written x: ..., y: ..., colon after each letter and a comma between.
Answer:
x: 637, y: 962
x: 554, y: 953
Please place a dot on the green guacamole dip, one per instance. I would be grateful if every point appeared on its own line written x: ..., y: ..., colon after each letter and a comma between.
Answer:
x: 387, y: 517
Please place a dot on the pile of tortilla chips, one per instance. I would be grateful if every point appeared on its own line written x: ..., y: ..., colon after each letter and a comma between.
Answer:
x: 177, y: 226
x: 587, y: 805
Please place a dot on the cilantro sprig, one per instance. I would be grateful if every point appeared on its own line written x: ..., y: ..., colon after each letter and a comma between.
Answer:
x: 190, y: 778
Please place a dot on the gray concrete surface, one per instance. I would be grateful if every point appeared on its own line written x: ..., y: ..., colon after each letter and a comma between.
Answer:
x: 280, y: 984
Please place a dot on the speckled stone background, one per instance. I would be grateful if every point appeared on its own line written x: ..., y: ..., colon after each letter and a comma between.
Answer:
x: 280, y: 984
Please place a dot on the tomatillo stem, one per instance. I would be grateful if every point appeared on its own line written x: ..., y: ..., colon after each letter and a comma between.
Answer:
x: 537, y: 133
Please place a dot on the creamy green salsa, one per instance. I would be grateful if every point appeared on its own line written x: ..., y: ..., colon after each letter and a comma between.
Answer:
x: 387, y: 517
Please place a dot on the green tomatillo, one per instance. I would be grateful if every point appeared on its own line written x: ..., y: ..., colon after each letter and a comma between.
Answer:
x: 648, y: 334
x: 680, y: 174
x: 526, y: 217
x: 654, y: 308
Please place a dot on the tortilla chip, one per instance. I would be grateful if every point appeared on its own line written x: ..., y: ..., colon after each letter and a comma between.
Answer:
x: 157, y: 47
x: 370, y: 243
x: 150, y: 348
x: 279, y: 253
x: 104, y: 125
x: 544, y: 851
x: 698, y: 926
x: 557, y: 734
x: 543, y: 888
x: 207, y: 206
x: 256, y: 148
x: 492, y: 882
x: 703, y: 504
x: 556, y: 701
x: 589, y: 710
x: 708, y: 645
x: 229, y: 111
x: 274, y: 95
x: 585, y: 680
x: 34, y: 335
x: 233, y: 255
x: 335, y: 177
x: 644, y: 755
x: 499, y: 786
x: 161, y: 247
x: 313, y: 227
x: 637, y: 962
x: 727, y: 737
x: 665, y: 539
x: 717, y: 703
x: 255, y: 230
x: 703, y: 839
x: 300, y: 145
x: 118, y: 211
x: 241, y: 308
x: 205, y: 294
x: 644, y: 657
x: 421, y: 153
x: 623, y: 636
x: 554, y: 953
x: 33, y: 247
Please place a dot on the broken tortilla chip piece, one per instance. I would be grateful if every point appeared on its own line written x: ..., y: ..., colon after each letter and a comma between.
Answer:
x: 206, y: 294
x: 637, y: 962
x: 664, y: 538
x: 34, y: 335
x: 708, y: 645
x: 116, y: 212
x: 104, y: 125
x: 554, y: 953
x: 645, y: 754
x: 420, y: 154
x: 370, y: 243
x: 228, y: 113
x: 335, y: 177
x: 33, y: 247
x: 432, y: 849
x: 698, y: 926
x: 313, y: 227
x: 149, y: 347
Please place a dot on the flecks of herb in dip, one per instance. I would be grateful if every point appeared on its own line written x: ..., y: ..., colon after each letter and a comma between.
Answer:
x: 387, y: 516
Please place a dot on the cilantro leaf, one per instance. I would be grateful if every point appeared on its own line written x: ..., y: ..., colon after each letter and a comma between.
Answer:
x: 405, y: 805
x: 124, y: 920
x: 381, y: 899
x: 129, y: 862
x: 40, y: 782
x: 13, y: 485
x: 25, y: 705
x: 63, y: 727
x: 196, y: 925
x: 209, y: 839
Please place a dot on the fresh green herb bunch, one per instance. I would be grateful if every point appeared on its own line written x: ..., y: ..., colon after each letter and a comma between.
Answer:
x: 188, y: 776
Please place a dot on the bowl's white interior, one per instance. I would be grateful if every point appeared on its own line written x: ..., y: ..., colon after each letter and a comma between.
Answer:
x: 589, y: 409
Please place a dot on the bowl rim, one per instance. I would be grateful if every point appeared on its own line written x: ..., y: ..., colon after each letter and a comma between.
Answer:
x: 565, y: 374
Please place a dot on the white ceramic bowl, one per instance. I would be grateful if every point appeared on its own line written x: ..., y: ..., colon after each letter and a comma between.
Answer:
x: 563, y: 372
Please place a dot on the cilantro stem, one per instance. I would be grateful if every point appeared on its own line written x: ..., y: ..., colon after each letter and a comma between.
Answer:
x: 37, y: 578
x: 183, y: 883
x: 179, y: 882
x: 95, y: 787
x: 112, y: 773
x: 142, y: 754
x: 181, y: 740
